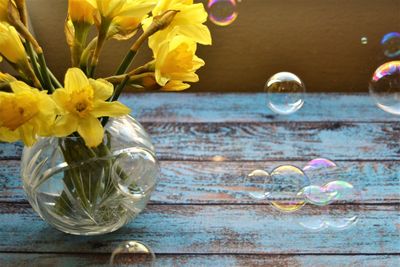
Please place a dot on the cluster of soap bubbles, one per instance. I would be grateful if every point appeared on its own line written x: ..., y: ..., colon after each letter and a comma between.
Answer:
x: 133, y: 253
x: 288, y: 188
x: 222, y: 12
x: 285, y: 93
x: 384, y: 86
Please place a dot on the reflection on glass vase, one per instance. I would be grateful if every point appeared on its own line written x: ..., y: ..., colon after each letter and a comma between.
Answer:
x: 90, y: 191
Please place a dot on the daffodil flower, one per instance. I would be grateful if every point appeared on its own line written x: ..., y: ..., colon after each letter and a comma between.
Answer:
x: 25, y: 114
x: 123, y: 16
x: 81, y: 103
x: 176, y: 63
x: 187, y: 22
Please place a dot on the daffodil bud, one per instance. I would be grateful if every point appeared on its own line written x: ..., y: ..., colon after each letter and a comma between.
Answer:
x: 11, y: 45
x: 82, y: 11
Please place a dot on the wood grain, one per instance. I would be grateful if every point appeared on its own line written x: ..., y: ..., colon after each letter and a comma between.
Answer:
x: 188, y: 107
x: 185, y: 182
x: 267, y: 141
x: 238, y: 229
x: 98, y: 260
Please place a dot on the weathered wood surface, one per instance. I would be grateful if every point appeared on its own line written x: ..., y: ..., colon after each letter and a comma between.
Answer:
x: 207, y: 143
x: 98, y: 260
x: 268, y: 141
x: 186, y: 182
x: 251, y: 108
x: 239, y: 229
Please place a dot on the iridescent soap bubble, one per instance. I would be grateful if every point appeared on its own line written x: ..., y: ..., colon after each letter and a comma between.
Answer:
x: 319, y: 195
x: 222, y: 12
x: 321, y: 170
x: 288, y: 182
x: 391, y: 44
x: 133, y: 253
x: 334, y: 217
x: 285, y: 93
x: 255, y: 184
x: 342, y: 190
x: 385, y: 87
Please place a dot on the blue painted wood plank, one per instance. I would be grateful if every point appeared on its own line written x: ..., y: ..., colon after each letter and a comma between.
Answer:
x: 185, y: 182
x: 194, y: 229
x: 267, y: 141
x: 84, y: 260
x: 188, y: 107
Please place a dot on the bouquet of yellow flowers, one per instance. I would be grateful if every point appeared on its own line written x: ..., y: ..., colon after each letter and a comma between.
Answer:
x: 35, y: 104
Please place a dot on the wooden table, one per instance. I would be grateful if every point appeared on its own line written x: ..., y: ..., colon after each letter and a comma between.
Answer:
x: 207, y: 143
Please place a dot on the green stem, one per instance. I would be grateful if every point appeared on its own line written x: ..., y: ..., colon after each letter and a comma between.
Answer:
x: 54, y: 80
x: 126, y: 62
x: 45, y: 74
x: 35, y: 66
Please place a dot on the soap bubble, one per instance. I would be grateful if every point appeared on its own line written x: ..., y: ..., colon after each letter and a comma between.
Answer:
x: 391, y: 44
x: 364, y: 40
x: 133, y: 253
x: 256, y: 183
x: 285, y: 92
x: 222, y: 12
x: 288, y: 181
x: 335, y: 216
x: 319, y: 195
x: 385, y: 87
x: 321, y: 170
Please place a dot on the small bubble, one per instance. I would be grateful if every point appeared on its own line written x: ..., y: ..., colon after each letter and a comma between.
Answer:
x: 255, y: 184
x: 133, y: 253
x: 391, y: 44
x: 364, y: 40
x: 385, y: 87
x: 222, y: 12
x: 285, y: 93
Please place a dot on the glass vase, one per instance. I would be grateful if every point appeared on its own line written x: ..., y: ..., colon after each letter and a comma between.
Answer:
x: 90, y: 191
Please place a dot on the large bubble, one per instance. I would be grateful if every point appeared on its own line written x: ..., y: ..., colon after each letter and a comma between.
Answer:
x: 385, y: 87
x: 288, y: 181
x: 285, y: 93
x: 222, y: 12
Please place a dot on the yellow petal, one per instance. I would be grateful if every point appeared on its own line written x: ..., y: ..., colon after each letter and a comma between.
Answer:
x: 19, y: 87
x: 6, y: 135
x: 109, y: 109
x: 103, y: 90
x: 75, y: 79
x: 197, y: 32
x: 175, y: 86
x: 91, y: 131
x: 61, y: 98
x: 28, y: 134
x: 65, y: 125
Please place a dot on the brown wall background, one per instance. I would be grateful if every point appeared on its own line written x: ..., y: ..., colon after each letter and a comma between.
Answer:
x: 319, y: 40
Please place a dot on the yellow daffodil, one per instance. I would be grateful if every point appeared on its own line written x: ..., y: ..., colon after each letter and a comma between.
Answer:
x: 82, y: 11
x: 176, y: 63
x: 25, y: 114
x: 11, y: 45
x: 81, y: 102
x: 187, y: 22
x: 124, y: 16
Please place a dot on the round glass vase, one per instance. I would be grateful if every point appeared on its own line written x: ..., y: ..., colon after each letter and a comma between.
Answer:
x: 91, y: 191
